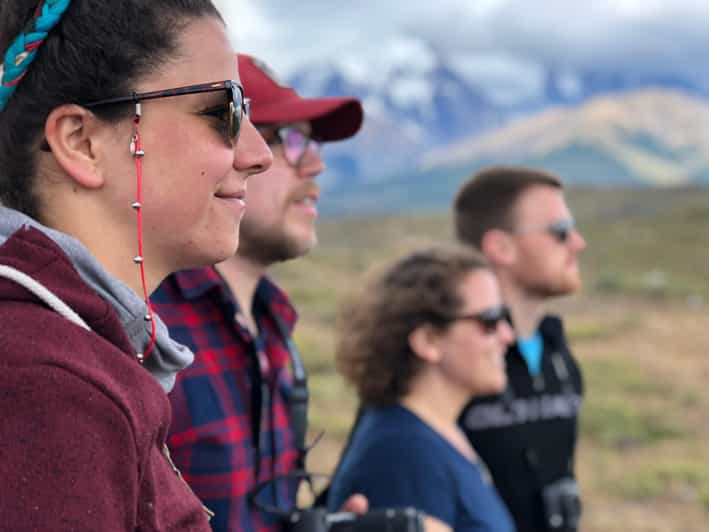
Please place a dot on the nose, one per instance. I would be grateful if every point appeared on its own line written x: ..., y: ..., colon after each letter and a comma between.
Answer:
x: 311, y: 165
x: 251, y: 153
x: 579, y: 242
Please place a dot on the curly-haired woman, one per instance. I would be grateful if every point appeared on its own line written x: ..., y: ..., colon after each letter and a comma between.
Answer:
x: 417, y: 343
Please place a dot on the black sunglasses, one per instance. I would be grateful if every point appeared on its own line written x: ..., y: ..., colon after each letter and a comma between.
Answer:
x: 488, y: 319
x: 560, y: 230
x: 237, y: 106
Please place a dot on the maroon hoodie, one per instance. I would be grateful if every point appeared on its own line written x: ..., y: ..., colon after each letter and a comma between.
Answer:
x: 82, y: 424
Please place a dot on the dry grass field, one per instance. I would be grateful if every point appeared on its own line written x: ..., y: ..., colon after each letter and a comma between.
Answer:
x: 640, y: 330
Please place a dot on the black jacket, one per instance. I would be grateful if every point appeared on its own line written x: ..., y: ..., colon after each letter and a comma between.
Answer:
x: 527, y: 435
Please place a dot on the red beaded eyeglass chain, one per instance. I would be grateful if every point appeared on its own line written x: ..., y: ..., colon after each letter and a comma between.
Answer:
x: 137, y: 152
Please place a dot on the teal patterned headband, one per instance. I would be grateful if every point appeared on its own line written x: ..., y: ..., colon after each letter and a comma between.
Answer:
x: 23, y: 49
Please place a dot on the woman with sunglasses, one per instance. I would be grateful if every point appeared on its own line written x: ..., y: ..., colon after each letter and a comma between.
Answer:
x: 124, y: 155
x: 417, y: 343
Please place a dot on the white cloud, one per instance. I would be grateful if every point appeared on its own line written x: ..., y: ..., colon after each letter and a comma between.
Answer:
x: 248, y: 23
x: 504, y: 78
x: 667, y: 37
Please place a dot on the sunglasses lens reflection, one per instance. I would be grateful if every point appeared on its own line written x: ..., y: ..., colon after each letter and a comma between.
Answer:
x: 238, y: 107
x: 294, y: 143
x: 491, y: 318
x: 297, y: 145
x: 491, y: 321
x: 233, y: 124
x: 560, y: 233
x: 561, y: 230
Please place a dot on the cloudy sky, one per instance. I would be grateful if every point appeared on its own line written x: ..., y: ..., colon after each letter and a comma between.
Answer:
x: 500, y: 42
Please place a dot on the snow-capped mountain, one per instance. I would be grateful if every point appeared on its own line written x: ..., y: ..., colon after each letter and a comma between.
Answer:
x: 646, y: 137
x: 409, y: 109
x: 418, y: 102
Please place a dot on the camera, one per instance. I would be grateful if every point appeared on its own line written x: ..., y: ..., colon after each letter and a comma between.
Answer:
x: 318, y: 520
x: 562, y: 505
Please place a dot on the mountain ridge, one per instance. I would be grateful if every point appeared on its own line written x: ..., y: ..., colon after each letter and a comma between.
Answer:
x: 648, y: 137
x: 661, y: 135
x: 426, y: 119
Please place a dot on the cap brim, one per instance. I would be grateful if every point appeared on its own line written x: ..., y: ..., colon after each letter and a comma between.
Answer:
x: 330, y: 118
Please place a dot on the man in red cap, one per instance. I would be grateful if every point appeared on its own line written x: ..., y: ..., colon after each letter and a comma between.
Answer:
x: 239, y: 410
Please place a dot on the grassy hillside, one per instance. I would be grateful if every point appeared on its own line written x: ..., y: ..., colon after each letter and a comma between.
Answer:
x: 639, y: 330
x: 429, y: 191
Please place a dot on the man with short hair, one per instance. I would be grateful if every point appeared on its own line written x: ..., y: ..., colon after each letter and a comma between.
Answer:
x: 238, y: 414
x: 518, y: 217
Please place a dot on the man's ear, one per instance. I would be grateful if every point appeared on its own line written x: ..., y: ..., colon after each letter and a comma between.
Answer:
x: 423, y: 341
x: 72, y: 133
x: 499, y: 247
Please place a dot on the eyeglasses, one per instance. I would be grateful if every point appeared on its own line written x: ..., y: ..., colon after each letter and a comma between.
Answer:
x: 296, y: 143
x: 488, y: 319
x: 561, y: 230
x: 235, y: 109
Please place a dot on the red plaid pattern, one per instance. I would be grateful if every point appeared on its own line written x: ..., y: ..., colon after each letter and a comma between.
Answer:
x: 213, y: 435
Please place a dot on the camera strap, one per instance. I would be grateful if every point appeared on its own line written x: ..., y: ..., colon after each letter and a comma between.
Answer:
x: 298, y: 399
x: 322, y: 497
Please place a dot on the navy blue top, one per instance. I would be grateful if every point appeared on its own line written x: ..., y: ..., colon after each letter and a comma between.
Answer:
x: 395, y: 459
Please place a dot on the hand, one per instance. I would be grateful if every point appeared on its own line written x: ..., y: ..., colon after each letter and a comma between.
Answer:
x: 357, y: 504
x: 431, y: 524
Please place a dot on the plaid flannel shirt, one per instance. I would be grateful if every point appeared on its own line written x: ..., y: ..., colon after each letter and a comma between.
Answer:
x: 213, y: 436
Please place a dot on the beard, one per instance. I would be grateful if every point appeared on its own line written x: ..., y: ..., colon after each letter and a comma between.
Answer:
x: 269, y: 245
x: 563, y: 285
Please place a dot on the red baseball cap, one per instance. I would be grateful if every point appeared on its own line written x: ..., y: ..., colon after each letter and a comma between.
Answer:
x: 271, y: 102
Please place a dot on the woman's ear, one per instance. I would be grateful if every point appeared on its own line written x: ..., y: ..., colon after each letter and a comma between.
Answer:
x: 424, y: 342
x: 498, y: 246
x: 73, y: 134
